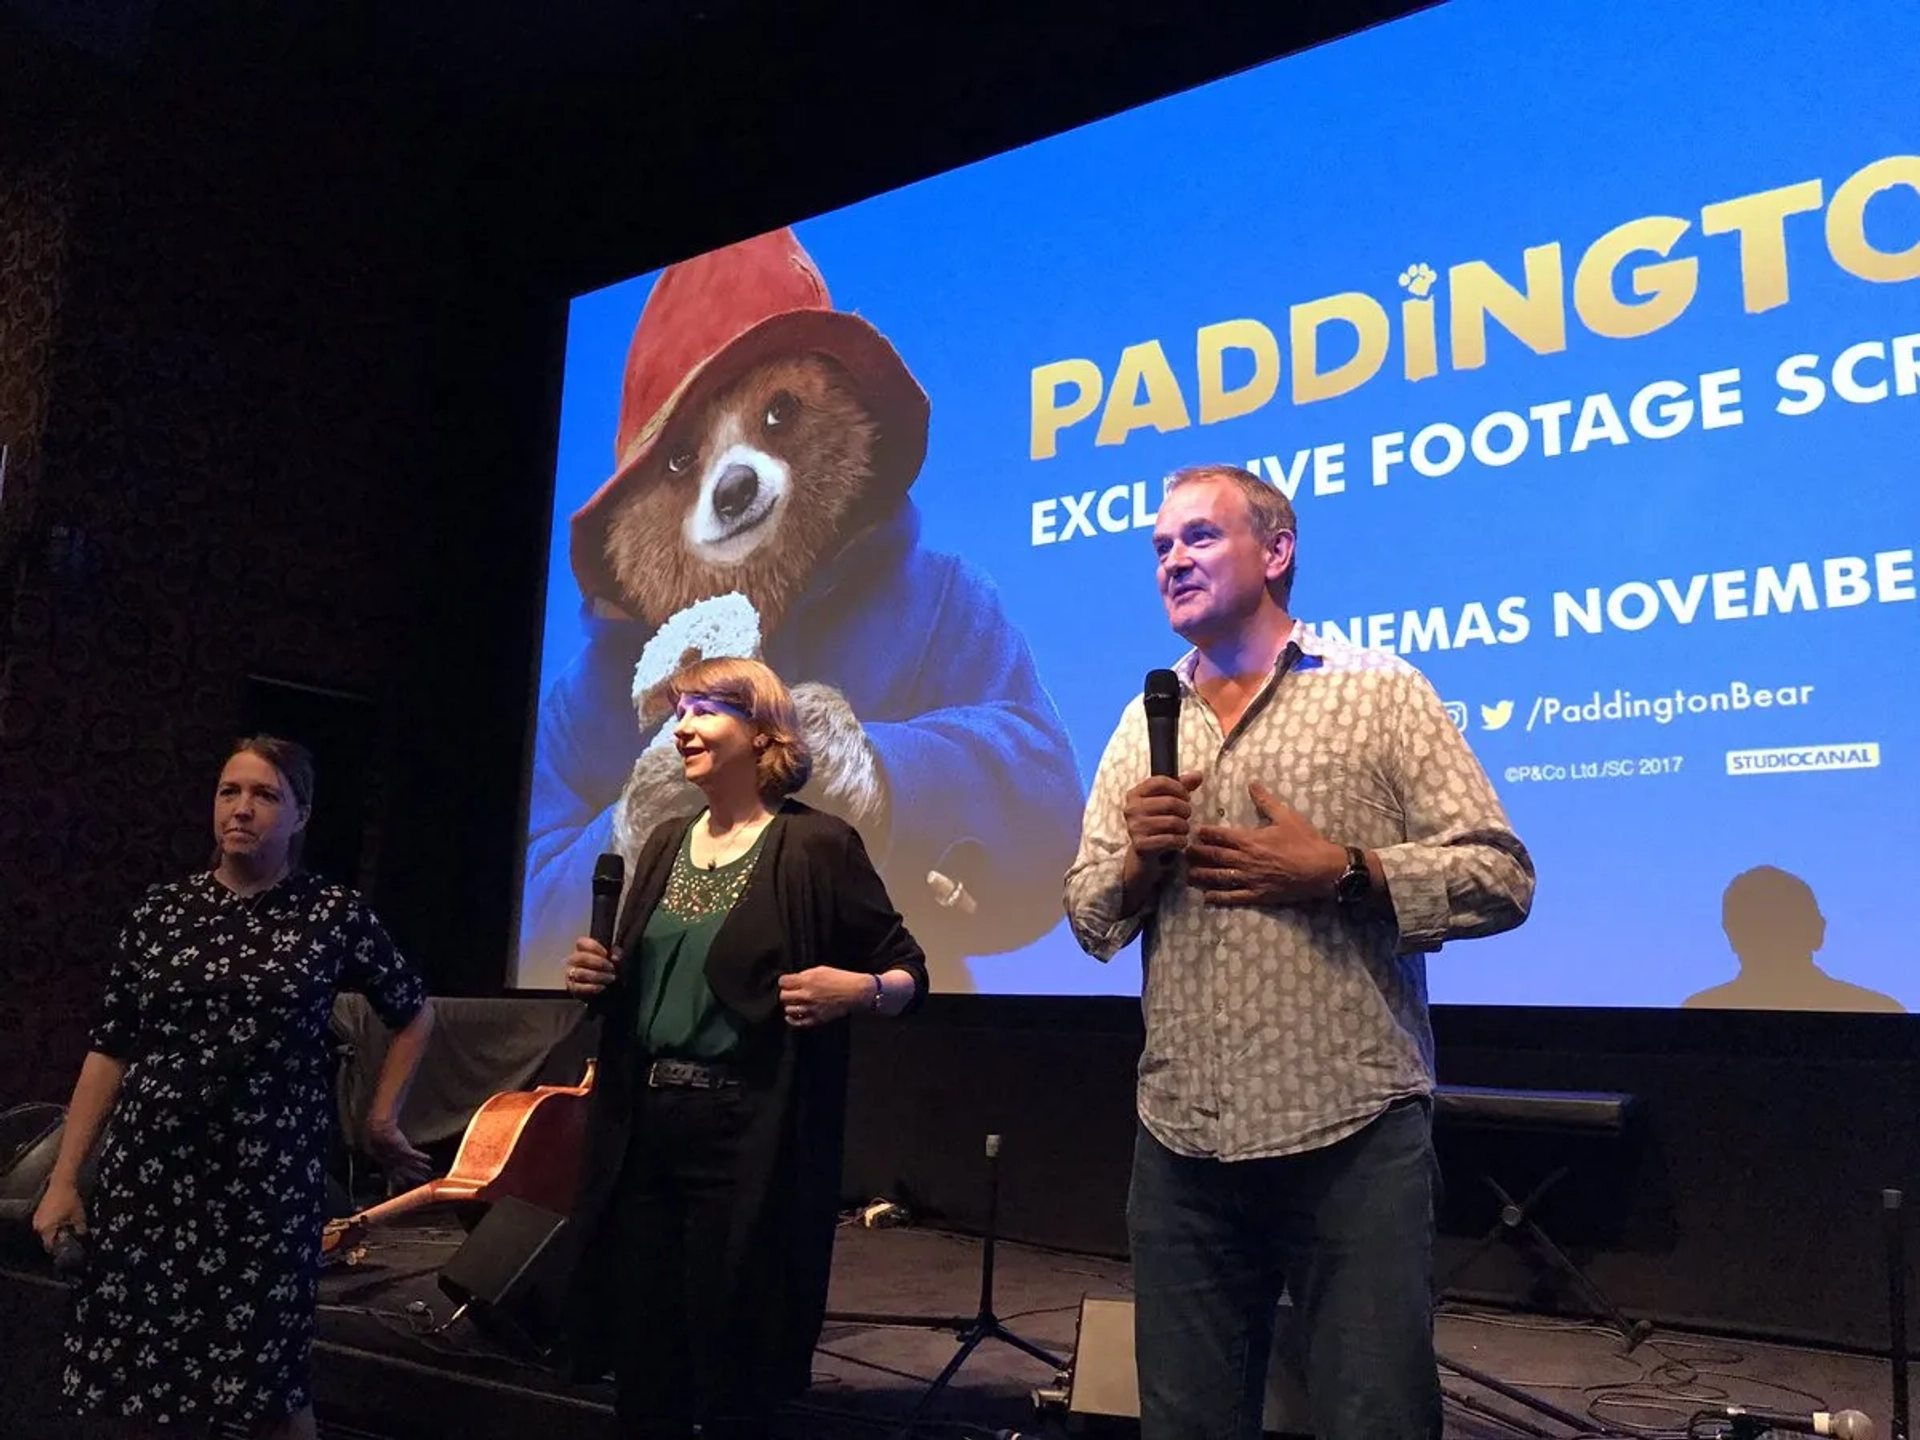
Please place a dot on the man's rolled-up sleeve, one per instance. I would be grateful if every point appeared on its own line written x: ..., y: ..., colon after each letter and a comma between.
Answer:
x: 1461, y: 871
x: 1093, y: 884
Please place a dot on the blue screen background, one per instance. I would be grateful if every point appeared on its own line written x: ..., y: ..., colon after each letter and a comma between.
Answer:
x: 1468, y: 132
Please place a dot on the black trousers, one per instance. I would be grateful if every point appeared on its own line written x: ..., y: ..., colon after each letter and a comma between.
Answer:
x: 689, y: 1333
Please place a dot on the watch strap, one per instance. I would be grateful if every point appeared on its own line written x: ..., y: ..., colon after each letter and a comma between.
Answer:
x: 1356, y: 881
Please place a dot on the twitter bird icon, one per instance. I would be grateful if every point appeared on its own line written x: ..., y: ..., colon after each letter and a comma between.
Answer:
x: 1495, y: 717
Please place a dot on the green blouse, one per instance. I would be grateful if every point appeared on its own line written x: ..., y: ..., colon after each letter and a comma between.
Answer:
x: 680, y: 1016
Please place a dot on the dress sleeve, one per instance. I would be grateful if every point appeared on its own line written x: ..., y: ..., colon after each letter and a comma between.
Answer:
x: 869, y: 934
x: 376, y: 968
x: 116, y: 1023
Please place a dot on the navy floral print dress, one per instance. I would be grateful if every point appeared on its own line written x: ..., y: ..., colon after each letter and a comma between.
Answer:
x: 197, y: 1304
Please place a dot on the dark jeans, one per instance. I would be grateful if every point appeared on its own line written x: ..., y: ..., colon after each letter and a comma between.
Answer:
x: 680, y: 1356
x: 1347, y: 1230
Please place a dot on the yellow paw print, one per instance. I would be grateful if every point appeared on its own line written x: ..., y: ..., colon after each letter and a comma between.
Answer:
x: 1418, y: 279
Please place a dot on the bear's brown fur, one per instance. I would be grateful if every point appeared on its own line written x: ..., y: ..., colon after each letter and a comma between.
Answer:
x: 749, y: 492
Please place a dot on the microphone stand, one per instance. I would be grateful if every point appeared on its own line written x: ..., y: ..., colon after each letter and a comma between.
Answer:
x: 1580, y: 1424
x: 972, y: 1330
x: 1896, y: 1238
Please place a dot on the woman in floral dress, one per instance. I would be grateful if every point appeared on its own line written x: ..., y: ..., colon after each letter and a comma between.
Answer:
x: 211, y: 1070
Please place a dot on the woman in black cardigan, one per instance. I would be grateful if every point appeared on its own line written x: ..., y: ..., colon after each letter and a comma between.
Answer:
x: 707, y: 1211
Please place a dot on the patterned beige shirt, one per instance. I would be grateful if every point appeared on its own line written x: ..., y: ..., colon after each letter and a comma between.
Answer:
x: 1273, y: 1030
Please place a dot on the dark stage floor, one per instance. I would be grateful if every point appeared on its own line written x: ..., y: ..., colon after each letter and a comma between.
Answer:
x: 385, y: 1369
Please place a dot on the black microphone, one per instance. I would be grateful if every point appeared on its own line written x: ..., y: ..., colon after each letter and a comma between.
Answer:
x: 609, y: 874
x: 1841, y: 1424
x: 69, y: 1255
x: 1162, y: 699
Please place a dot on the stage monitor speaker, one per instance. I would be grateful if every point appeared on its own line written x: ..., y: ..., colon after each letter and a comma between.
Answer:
x: 1104, y: 1396
x: 509, y: 1274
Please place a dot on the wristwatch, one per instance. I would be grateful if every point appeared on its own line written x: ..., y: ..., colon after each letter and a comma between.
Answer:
x: 1355, y: 882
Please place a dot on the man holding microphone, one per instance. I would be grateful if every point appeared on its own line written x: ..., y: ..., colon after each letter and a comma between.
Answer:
x: 1329, y: 829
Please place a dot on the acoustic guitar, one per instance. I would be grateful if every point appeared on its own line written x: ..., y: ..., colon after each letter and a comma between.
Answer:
x: 527, y: 1144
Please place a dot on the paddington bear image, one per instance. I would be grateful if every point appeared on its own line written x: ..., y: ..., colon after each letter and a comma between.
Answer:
x: 759, y: 506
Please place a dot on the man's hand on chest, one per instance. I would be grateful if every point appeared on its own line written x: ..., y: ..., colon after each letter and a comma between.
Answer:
x: 1282, y: 861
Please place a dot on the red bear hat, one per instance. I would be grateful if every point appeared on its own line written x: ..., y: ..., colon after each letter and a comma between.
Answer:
x: 707, y: 322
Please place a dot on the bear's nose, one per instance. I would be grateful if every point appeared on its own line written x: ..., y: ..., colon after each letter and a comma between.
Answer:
x: 738, y: 486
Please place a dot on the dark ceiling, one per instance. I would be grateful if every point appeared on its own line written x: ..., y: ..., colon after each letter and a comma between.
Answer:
x: 597, y: 139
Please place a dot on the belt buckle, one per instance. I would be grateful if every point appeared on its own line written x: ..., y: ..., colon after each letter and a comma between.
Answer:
x: 686, y: 1074
x: 669, y: 1073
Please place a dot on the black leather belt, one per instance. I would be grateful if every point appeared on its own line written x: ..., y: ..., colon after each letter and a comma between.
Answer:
x: 691, y: 1074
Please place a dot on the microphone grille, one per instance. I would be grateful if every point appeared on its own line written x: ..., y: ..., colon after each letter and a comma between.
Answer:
x: 1161, y: 692
x: 1850, y: 1425
x: 609, y: 869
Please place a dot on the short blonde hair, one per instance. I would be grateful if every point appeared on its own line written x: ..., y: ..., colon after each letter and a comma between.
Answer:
x: 784, y: 762
x: 1268, y: 512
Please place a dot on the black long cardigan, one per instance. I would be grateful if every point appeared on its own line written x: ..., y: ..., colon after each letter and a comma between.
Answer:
x: 813, y: 898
